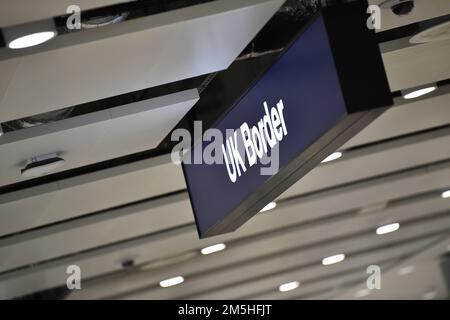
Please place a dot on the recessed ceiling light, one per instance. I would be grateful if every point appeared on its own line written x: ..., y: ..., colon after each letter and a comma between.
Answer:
x: 406, y: 270
x: 289, y: 286
x: 269, y: 206
x: 415, y: 93
x: 362, y: 293
x: 332, y: 157
x: 171, y: 282
x: 31, y: 40
x: 445, y: 194
x: 214, y: 248
x: 333, y: 259
x: 388, y: 228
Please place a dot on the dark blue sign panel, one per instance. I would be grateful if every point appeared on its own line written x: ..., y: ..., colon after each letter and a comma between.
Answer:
x: 295, y: 114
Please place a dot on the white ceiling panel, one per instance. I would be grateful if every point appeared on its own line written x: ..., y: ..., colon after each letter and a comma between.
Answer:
x: 22, y: 11
x: 88, y: 193
x: 158, y: 49
x: 310, y: 209
x: 417, y: 65
x: 139, y: 219
x: 96, y: 136
x: 251, y: 248
x: 405, y: 119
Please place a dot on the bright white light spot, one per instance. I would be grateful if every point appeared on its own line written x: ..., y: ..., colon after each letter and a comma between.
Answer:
x: 269, y: 206
x: 362, y: 293
x: 445, y: 194
x: 406, y: 270
x: 31, y: 40
x: 388, y: 228
x: 333, y: 259
x: 418, y: 93
x: 171, y: 282
x: 332, y: 157
x: 213, y: 248
x: 289, y: 286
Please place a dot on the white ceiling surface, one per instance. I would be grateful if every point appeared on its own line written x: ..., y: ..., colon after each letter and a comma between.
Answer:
x: 424, y: 277
x: 411, y: 117
x: 423, y: 10
x: 93, y: 192
x: 23, y: 11
x: 335, y: 208
x: 431, y: 64
x: 145, y: 123
x: 183, y: 43
x: 145, y: 218
x: 314, y: 206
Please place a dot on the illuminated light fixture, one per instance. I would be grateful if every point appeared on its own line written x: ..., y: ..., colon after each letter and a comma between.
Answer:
x: 29, y: 35
x: 333, y: 259
x: 31, y: 40
x: 285, y: 287
x: 388, y: 228
x: 214, y: 248
x: 332, y: 157
x: 1, y: 130
x: 362, y: 293
x: 445, y: 194
x: 406, y: 270
x: 269, y: 206
x: 171, y: 282
x: 418, y: 92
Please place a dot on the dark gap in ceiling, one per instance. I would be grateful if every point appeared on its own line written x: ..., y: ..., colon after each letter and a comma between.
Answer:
x: 2, y: 40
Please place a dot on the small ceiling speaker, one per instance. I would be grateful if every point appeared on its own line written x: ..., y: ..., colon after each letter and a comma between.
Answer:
x: 41, y: 165
x: 29, y: 34
x: 398, y: 7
